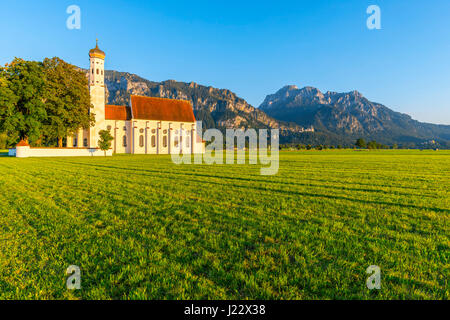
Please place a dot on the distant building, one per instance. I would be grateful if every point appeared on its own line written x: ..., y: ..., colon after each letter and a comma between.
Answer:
x: 310, y: 129
x: 147, y: 126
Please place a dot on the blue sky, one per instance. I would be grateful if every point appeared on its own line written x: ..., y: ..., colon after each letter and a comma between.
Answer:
x: 253, y: 47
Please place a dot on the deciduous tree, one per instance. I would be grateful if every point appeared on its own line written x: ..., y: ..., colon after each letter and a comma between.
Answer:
x: 22, y: 108
x: 67, y: 99
x: 361, y: 143
x: 105, y: 140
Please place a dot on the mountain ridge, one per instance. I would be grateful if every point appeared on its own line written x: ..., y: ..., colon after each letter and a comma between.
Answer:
x: 350, y: 115
x: 303, y: 115
x: 217, y: 108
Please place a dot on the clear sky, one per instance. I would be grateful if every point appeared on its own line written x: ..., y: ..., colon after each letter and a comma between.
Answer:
x: 253, y: 47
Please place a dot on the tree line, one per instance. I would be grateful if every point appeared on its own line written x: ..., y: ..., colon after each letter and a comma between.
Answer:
x: 360, y: 143
x: 42, y: 102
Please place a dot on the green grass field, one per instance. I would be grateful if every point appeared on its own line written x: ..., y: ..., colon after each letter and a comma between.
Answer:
x: 140, y: 227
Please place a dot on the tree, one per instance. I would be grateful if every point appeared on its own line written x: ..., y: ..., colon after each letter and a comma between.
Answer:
x: 105, y: 140
x: 6, y: 98
x: 22, y: 108
x: 360, y: 143
x: 67, y: 100
x: 3, y: 140
x: 372, y: 145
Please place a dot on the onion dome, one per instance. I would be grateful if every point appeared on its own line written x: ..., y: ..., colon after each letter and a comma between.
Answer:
x: 96, y: 52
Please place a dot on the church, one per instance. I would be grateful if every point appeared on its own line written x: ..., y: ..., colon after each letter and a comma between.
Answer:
x: 147, y: 126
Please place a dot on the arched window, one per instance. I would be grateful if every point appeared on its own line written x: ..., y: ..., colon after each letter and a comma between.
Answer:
x: 153, y: 131
x: 124, y: 141
x: 176, y: 142
x: 141, y: 130
x: 92, y: 70
x: 153, y: 141
x: 109, y: 128
x: 85, y: 142
x: 141, y: 141
x: 75, y: 142
x: 97, y: 71
x: 188, y: 142
x: 165, y: 141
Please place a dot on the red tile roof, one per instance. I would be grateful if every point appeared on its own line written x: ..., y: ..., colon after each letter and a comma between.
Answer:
x: 117, y: 113
x: 150, y: 108
x: 22, y: 143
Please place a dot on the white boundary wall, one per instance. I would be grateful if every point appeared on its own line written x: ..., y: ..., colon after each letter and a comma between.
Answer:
x: 27, y: 152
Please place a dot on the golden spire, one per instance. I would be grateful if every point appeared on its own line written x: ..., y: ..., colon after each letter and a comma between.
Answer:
x: 96, y: 52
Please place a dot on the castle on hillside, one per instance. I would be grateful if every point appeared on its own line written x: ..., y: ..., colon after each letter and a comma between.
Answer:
x: 147, y: 126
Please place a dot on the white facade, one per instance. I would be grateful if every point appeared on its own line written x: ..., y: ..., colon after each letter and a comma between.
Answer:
x: 97, y: 91
x: 27, y: 152
x: 154, y: 137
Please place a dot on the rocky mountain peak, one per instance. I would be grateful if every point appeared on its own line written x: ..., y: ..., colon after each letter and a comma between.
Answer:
x: 288, y: 88
x: 347, y: 115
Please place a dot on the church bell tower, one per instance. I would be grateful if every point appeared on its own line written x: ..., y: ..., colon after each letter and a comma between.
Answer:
x: 97, y: 91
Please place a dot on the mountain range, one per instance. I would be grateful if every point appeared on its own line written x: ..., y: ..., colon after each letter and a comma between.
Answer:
x: 304, y: 115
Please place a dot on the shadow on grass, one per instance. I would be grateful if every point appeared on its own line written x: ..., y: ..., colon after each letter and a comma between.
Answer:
x: 280, y: 191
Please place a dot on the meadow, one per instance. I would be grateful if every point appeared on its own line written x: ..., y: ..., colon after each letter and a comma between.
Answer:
x: 141, y: 227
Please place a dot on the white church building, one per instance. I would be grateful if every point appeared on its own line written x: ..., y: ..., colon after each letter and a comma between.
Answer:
x: 147, y: 126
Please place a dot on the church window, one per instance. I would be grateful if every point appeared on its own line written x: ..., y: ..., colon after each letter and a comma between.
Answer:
x: 165, y: 141
x: 153, y: 131
x: 97, y: 71
x: 124, y: 128
x: 188, y: 142
x: 141, y: 141
x: 165, y: 131
x: 85, y: 144
x: 141, y: 130
x: 109, y: 128
x: 153, y: 141
x: 102, y: 72
x: 92, y: 71
x: 176, y: 142
x: 124, y: 141
x: 75, y: 142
